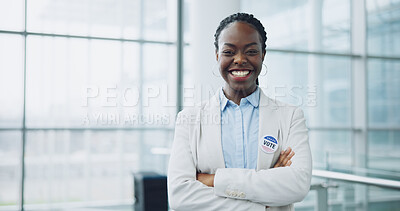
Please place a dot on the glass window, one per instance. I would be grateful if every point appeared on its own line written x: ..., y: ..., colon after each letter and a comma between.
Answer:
x: 73, y: 166
x: 107, y: 18
x: 10, y: 167
x: 381, y: 195
x: 336, y: 26
x: 189, y: 92
x: 304, y: 24
x: 331, y: 150
x: 159, y: 20
x: 383, y: 153
x: 159, y: 84
x: 155, y: 150
x: 82, y: 93
x: 78, y: 82
x: 383, y: 92
x: 383, y: 27
x: 324, y: 86
x: 12, y: 15
x: 11, y: 80
x: 319, y: 84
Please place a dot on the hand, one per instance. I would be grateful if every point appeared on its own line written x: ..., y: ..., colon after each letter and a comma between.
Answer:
x: 284, y: 158
x: 207, y: 179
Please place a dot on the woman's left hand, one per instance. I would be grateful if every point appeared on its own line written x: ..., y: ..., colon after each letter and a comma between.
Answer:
x: 284, y: 158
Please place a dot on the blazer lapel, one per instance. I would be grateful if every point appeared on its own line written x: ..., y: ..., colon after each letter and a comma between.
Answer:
x: 211, y: 134
x: 269, y: 125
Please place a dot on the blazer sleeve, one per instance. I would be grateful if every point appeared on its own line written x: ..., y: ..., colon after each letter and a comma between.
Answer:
x: 275, y: 186
x: 184, y: 191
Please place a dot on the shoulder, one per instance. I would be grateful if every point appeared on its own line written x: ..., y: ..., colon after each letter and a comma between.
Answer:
x: 285, y: 109
x: 198, y: 108
x: 192, y: 114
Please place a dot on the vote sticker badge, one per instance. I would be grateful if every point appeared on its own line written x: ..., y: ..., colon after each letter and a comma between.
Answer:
x: 269, y: 144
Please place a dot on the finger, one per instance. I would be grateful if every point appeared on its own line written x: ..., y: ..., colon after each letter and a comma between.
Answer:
x: 289, y: 163
x: 280, y: 159
x: 291, y: 155
x: 286, y: 159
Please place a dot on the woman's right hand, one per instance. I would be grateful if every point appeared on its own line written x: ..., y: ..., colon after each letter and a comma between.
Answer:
x: 284, y: 158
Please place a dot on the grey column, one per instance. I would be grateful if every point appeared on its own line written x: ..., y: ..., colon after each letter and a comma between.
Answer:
x: 204, y: 20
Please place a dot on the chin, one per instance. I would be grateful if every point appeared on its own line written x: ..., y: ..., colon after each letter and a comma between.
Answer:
x: 241, y: 87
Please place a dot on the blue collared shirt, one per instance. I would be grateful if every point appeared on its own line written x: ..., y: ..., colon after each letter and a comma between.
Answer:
x: 239, y: 130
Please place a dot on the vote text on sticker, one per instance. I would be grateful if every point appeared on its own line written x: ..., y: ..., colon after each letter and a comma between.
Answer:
x: 269, y: 144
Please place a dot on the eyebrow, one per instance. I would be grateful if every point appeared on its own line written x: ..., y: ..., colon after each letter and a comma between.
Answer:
x: 247, y: 45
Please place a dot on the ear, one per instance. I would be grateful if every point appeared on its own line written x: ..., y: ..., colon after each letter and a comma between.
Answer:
x: 216, y: 55
x: 263, y: 55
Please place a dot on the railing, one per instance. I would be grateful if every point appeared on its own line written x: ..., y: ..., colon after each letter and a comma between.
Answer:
x: 357, y: 179
x: 322, y: 188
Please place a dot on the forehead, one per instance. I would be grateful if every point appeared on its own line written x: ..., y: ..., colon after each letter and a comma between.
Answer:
x: 238, y: 33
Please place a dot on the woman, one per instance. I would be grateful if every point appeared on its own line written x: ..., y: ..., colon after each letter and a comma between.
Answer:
x: 229, y: 154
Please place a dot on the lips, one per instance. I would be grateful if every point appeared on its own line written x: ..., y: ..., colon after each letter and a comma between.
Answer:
x: 240, y: 74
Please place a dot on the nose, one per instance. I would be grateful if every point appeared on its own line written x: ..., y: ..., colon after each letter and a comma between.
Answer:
x: 240, y: 59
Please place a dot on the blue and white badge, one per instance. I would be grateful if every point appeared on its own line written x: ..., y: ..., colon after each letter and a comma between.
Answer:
x: 269, y: 144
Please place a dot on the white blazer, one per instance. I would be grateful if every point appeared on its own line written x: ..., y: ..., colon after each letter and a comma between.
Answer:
x: 197, y: 148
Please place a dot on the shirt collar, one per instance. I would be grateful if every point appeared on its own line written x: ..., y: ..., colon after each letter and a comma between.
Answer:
x: 223, y: 100
x: 254, y: 98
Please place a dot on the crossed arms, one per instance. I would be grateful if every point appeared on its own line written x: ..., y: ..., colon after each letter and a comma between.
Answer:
x: 286, y: 183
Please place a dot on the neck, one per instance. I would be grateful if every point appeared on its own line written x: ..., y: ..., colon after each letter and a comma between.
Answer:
x: 237, y: 95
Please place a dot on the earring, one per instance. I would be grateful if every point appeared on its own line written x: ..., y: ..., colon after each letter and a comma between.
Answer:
x: 266, y: 70
x: 214, y: 67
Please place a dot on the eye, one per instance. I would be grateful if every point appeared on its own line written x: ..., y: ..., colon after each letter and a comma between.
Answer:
x: 228, y: 52
x: 252, y: 52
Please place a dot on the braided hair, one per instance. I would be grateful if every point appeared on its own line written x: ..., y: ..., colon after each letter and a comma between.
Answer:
x: 244, y: 17
x: 247, y: 18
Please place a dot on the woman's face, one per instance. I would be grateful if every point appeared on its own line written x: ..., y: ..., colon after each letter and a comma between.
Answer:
x: 240, y: 56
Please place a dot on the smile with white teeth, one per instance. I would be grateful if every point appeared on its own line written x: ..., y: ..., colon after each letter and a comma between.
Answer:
x: 240, y: 73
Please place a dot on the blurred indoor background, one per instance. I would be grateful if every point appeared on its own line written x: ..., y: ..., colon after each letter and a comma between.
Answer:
x: 89, y: 91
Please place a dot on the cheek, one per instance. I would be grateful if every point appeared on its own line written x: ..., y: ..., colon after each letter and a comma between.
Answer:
x: 257, y: 63
x: 223, y: 64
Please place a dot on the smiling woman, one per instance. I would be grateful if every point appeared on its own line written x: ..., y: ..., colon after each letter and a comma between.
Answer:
x: 240, y: 59
x: 245, y: 159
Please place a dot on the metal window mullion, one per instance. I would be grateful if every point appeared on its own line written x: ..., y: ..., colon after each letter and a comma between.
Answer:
x: 121, y: 142
x: 359, y: 96
x: 179, y: 56
x: 313, y: 52
x: 359, y: 78
x: 22, y: 181
x: 141, y: 66
x: 93, y: 129
x: 278, y: 50
x: 86, y: 37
